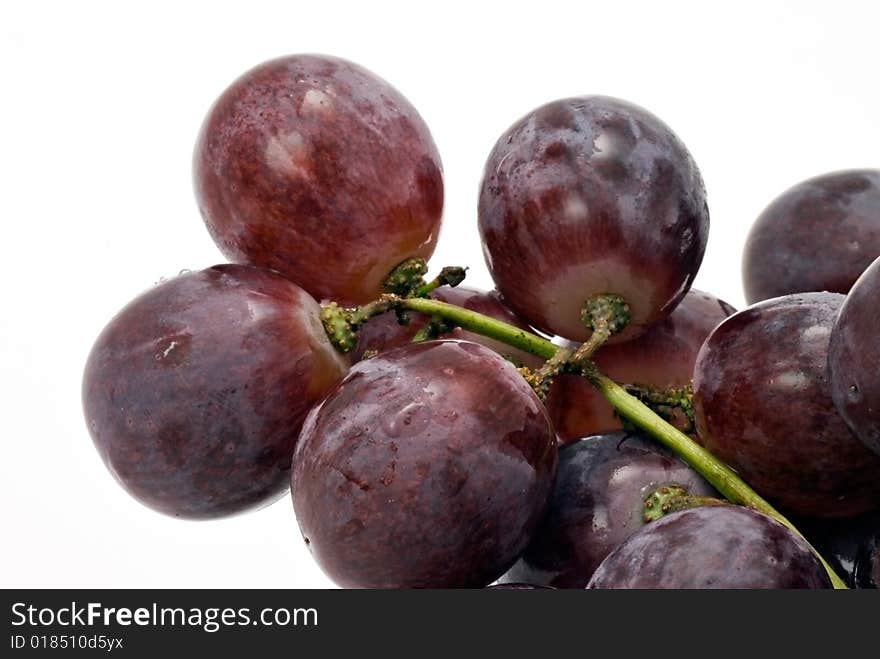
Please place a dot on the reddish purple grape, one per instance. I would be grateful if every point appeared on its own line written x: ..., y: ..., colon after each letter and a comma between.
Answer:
x: 662, y: 358
x: 712, y: 547
x: 588, y: 196
x: 763, y: 405
x: 597, y: 503
x: 819, y: 235
x: 854, y: 359
x: 317, y: 168
x: 427, y: 466
x: 383, y: 332
x: 195, y: 392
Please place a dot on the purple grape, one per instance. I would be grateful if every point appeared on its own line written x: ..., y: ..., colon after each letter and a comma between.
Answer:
x: 195, y: 392
x: 588, y: 196
x: 317, y: 168
x: 383, y: 332
x: 661, y: 358
x: 854, y: 359
x: 819, y: 235
x: 712, y: 547
x: 763, y: 405
x: 597, y: 503
x: 427, y: 466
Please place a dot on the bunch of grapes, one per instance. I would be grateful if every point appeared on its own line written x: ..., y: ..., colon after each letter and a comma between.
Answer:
x: 431, y: 435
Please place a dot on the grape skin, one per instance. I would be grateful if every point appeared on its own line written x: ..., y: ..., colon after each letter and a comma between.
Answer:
x: 819, y: 235
x: 427, y: 466
x: 712, y: 547
x: 589, y: 196
x: 384, y: 332
x: 854, y: 358
x: 319, y: 169
x: 662, y: 358
x: 195, y: 392
x: 597, y: 503
x: 763, y: 405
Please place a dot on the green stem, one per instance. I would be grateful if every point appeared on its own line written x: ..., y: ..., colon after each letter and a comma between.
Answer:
x: 543, y: 377
x: 605, y: 315
x: 585, y: 351
x: 406, y: 277
x: 719, y: 475
x: 484, y: 325
x: 668, y: 499
x: 665, y: 402
x: 359, y: 315
x: 433, y: 329
x: 722, y: 477
x: 449, y: 276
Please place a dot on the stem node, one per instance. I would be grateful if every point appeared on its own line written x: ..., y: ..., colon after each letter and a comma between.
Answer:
x: 406, y: 277
x: 671, y: 498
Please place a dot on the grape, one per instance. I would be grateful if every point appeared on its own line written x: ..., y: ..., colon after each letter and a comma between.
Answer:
x: 819, y: 235
x: 195, y: 392
x: 854, y: 359
x: 598, y: 502
x: 763, y: 405
x: 384, y: 332
x: 662, y: 358
x: 588, y: 196
x: 712, y: 547
x: 427, y: 466
x: 317, y: 168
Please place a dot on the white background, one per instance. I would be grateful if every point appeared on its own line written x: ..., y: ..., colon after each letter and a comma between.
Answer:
x: 99, y: 109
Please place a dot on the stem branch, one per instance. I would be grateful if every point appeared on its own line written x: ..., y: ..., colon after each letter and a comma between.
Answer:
x: 719, y: 475
x: 605, y: 315
x: 449, y: 276
x: 722, y: 477
x: 672, y: 498
x: 484, y: 325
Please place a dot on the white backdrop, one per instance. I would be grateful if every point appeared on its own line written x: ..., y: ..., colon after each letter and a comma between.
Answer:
x: 99, y: 109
